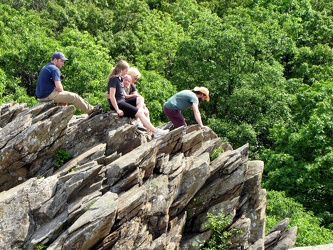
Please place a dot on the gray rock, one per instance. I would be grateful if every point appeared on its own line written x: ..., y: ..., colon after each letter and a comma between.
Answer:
x: 123, y: 189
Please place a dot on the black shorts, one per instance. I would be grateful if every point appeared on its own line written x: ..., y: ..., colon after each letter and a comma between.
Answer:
x: 128, y: 107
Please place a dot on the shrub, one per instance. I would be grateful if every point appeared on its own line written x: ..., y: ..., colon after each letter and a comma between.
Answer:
x: 61, y: 157
x: 221, y: 234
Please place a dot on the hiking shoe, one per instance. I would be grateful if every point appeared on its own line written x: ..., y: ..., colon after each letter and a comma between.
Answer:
x: 97, y: 110
x: 160, y: 132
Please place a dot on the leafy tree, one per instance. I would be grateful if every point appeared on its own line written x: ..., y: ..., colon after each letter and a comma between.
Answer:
x: 309, y: 231
x: 222, y: 7
x: 22, y: 50
x: 267, y: 64
x: 313, y: 64
x: 221, y: 234
x: 26, y: 52
x: 187, y: 13
x: 160, y: 38
x: 32, y: 4
x: 11, y: 91
x: 228, y: 59
x: 87, y: 69
x: 302, y: 156
x: 86, y: 16
x: 2, y: 82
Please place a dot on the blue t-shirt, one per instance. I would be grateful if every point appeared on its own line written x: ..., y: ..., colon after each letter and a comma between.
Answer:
x: 182, y: 100
x: 45, y: 83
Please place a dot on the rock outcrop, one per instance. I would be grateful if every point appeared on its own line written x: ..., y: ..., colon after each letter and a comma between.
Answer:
x: 122, y: 189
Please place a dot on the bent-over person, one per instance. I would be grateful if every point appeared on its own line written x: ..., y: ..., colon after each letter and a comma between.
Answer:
x: 183, y: 100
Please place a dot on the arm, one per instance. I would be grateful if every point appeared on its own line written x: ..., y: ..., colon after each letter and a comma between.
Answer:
x: 197, y: 114
x: 112, y: 97
x: 58, y: 85
x: 133, y: 94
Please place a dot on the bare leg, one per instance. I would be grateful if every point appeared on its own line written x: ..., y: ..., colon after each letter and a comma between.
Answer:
x: 140, y: 102
x: 146, y: 112
x: 146, y: 123
x: 141, y: 105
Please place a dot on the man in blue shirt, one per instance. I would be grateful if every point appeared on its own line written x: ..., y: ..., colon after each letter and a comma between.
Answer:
x: 49, y: 87
x: 183, y: 100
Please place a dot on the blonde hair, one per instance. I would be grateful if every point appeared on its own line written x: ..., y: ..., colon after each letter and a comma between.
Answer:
x: 129, y: 78
x: 116, y: 71
x: 134, y: 72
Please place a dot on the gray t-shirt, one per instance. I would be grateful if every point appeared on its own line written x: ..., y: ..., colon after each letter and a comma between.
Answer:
x: 182, y: 100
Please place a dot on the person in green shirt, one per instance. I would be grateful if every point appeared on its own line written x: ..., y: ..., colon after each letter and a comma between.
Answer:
x: 183, y: 100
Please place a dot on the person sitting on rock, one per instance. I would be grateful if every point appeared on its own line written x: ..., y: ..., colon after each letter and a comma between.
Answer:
x: 128, y: 107
x: 130, y: 92
x: 49, y: 87
x: 135, y: 74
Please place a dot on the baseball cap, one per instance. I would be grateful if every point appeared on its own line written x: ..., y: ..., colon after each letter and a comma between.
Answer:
x: 204, y: 91
x: 59, y: 55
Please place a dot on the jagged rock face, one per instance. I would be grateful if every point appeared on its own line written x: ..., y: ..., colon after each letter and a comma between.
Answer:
x: 122, y: 189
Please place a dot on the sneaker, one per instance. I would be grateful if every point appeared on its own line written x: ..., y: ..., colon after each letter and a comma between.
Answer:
x: 160, y: 132
x: 140, y: 126
x: 97, y: 110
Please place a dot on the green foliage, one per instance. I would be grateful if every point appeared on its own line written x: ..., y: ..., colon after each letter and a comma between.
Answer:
x: 23, y: 37
x: 159, y: 37
x: 61, y: 157
x: 313, y: 64
x: 309, y: 231
x: 40, y: 247
x: 87, y: 68
x: 304, y: 150
x: 73, y: 169
x: 221, y: 234
x: 11, y: 91
x: 216, y: 152
x: 267, y: 64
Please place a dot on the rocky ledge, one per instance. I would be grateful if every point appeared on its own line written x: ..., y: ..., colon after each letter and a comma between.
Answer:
x: 122, y: 189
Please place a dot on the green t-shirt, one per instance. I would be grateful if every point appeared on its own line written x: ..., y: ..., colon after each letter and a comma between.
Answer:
x: 182, y: 100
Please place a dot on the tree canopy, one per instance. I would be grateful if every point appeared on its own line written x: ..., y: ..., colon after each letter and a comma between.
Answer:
x: 268, y: 66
